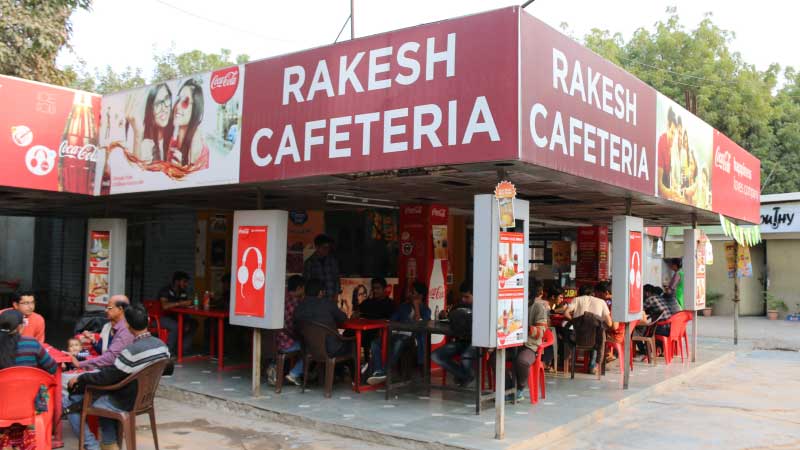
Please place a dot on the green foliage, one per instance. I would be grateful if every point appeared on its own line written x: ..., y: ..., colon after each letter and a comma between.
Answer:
x: 774, y: 303
x: 732, y: 95
x: 712, y: 298
x: 32, y: 32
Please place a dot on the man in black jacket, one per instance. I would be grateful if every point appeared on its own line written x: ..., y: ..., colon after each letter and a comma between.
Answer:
x: 323, y: 310
x: 144, y: 351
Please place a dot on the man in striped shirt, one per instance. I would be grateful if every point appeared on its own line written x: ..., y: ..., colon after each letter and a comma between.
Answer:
x: 144, y: 350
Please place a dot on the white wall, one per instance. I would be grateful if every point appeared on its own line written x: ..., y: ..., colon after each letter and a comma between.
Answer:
x: 16, y: 249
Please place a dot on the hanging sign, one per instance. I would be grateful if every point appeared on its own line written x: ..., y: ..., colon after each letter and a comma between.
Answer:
x: 251, y: 269
x: 505, y: 192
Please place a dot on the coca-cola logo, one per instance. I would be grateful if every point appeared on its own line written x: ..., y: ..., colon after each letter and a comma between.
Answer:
x: 439, y: 212
x: 412, y: 210
x: 436, y: 293
x: 86, y: 152
x: 224, y: 83
x: 722, y: 160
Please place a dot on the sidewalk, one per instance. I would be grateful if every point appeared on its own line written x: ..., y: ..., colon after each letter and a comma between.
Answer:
x: 437, y: 420
x: 754, y: 332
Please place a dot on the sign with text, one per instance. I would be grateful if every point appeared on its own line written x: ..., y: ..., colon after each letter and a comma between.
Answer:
x: 511, y: 290
x: 592, y: 253
x: 251, y: 270
x: 562, y: 255
x: 738, y: 260
x: 736, y: 180
x: 780, y: 218
x: 410, y: 98
x: 99, y: 265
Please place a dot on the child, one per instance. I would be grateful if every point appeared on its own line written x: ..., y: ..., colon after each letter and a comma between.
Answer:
x: 75, y: 348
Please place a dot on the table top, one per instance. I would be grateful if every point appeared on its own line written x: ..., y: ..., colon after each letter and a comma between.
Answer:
x: 57, y: 355
x: 364, y: 324
x: 424, y: 326
x: 217, y: 313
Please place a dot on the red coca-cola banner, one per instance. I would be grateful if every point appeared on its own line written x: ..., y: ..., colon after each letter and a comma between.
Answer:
x: 736, y: 180
x: 48, y: 136
x: 442, y: 93
x: 582, y: 114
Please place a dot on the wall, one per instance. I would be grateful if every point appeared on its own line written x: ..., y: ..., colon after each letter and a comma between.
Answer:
x: 750, y: 289
x: 781, y: 260
x: 16, y: 253
x: 168, y: 247
x: 59, y: 255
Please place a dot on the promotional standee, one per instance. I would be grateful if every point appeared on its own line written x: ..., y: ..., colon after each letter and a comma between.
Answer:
x: 694, y: 270
x: 628, y: 260
x: 106, y: 243
x: 259, y: 266
x: 511, y: 290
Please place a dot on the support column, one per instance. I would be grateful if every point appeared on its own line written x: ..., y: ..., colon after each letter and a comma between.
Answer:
x: 735, y: 293
x: 499, y: 396
x: 256, y: 371
x: 694, y: 313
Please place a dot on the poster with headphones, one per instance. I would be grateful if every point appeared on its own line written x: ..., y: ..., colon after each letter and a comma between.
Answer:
x: 251, y: 266
x: 635, y: 272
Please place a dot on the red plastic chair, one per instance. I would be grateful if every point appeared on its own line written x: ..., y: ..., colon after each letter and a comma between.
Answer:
x: 677, y: 327
x: 689, y: 317
x: 18, y: 389
x: 154, y: 312
x: 536, y: 383
x: 619, y: 348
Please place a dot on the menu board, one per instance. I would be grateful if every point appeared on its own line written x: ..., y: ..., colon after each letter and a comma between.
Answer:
x: 511, y: 290
x: 592, y: 261
x: 99, y: 262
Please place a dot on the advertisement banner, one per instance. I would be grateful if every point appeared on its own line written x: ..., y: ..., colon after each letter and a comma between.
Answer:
x: 685, y: 155
x: 48, y: 136
x: 562, y: 253
x: 304, y: 226
x: 251, y: 268
x: 744, y: 266
x: 700, y: 274
x: 511, y: 290
x: 99, y: 265
x: 737, y: 177
x: 176, y: 134
x: 356, y: 290
x: 416, y: 97
x: 583, y: 115
x: 592, y: 253
x: 635, y: 275
x: 780, y: 218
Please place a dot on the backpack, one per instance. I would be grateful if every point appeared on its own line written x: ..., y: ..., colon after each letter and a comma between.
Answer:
x: 461, y: 322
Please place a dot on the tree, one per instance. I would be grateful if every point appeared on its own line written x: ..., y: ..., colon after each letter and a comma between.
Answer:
x: 32, y: 33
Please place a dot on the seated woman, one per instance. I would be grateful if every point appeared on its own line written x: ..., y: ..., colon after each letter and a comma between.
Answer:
x: 16, y: 351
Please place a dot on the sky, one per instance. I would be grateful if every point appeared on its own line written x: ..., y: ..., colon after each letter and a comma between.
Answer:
x: 125, y: 33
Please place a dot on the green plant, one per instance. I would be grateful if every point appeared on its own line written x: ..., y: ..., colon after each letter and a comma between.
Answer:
x: 713, y: 297
x: 774, y: 303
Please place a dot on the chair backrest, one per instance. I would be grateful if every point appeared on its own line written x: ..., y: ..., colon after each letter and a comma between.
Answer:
x: 586, y: 335
x: 147, y: 381
x: 18, y: 389
x: 312, y: 336
x: 153, y: 307
x: 677, y: 325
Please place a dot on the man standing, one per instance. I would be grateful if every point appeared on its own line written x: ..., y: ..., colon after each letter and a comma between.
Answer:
x: 175, y: 296
x: 144, y: 351
x: 33, y: 323
x: 323, y: 266
x: 675, y: 288
x: 114, y: 337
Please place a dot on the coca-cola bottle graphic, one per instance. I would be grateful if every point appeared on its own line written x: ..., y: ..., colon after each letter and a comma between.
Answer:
x: 77, y: 157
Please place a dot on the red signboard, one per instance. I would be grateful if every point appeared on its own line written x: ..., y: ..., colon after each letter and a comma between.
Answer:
x: 634, y: 278
x: 442, y: 93
x: 48, y: 136
x: 592, y: 261
x: 251, y: 269
x: 736, y: 180
x: 582, y: 114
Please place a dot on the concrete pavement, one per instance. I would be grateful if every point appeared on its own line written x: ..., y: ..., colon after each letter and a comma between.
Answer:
x: 754, y: 332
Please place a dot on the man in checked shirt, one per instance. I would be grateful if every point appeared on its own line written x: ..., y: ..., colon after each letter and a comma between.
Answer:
x: 324, y: 267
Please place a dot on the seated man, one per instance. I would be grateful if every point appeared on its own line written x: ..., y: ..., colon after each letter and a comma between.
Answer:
x: 33, y: 323
x: 413, y: 310
x: 657, y: 308
x: 537, y: 321
x: 325, y: 311
x: 379, y: 307
x: 114, y: 337
x: 174, y: 296
x: 461, y: 345
x: 144, y: 351
x: 584, y: 303
x: 286, y: 338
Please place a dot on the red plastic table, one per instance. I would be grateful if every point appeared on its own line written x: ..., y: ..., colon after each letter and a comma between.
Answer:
x: 220, y: 315
x: 359, y: 326
x: 59, y: 357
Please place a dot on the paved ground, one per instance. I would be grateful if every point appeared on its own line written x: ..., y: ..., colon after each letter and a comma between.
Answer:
x: 753, y: 402
x: 757, y: 332
x: 183, y: 427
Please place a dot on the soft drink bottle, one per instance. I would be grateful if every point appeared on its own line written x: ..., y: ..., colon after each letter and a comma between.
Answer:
x: 77, y: 152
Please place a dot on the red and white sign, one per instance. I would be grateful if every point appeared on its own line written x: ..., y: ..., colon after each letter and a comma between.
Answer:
x: 435, y: 94
x: 224, y: 83
x: 99, y: 265
x: 634, y: 278
x: 511, y: 290
x: 583, y: 115
x: 48, y: 136
x: 736, y: 181
x: 700, y: 274
x: 251, y: 271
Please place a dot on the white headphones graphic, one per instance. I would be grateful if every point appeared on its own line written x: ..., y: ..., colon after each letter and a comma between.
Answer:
x: 636, y: 276
x: 243, y: 275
